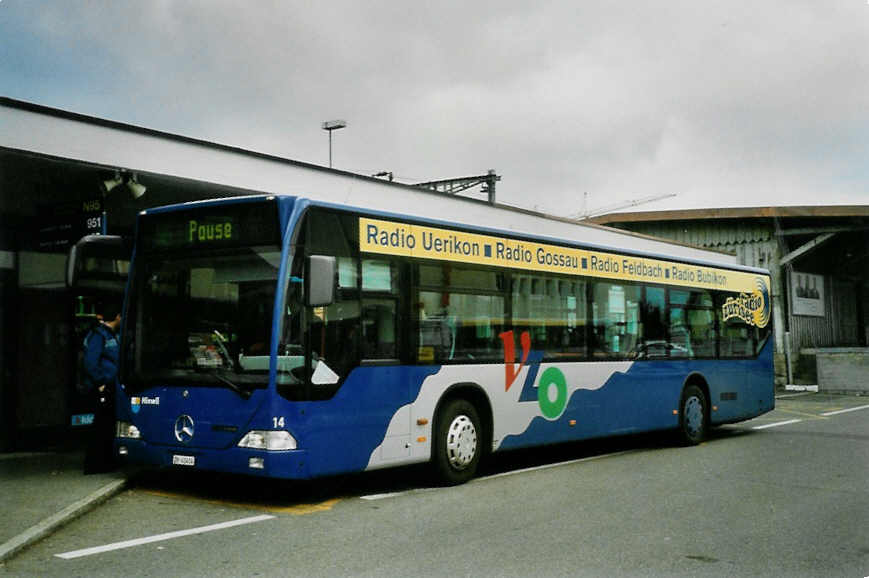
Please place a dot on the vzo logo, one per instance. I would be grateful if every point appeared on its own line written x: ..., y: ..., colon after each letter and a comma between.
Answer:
x: 551, y: 392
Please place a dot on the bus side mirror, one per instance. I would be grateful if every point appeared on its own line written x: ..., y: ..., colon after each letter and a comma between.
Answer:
x: 99, y: 263
x: 72, y: 266
x: 320, y: 281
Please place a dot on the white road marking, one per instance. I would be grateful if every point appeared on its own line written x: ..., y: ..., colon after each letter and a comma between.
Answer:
x: 776, y: 424
x: 829, y: 413
x: 555, y: 465
x: 160, y: 537
x: 372, y: 497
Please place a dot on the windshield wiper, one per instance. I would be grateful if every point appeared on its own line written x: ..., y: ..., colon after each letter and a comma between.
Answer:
x: 220, y: 339
x: 244, y: 393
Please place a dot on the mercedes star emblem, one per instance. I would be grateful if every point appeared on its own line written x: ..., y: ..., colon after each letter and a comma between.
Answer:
x: 184, y: 428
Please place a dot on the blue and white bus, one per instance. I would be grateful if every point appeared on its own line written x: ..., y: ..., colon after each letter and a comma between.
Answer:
x: 285, y: 337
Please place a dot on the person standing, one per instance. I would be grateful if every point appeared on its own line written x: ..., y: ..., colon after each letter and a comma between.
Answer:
x: 100, y: 361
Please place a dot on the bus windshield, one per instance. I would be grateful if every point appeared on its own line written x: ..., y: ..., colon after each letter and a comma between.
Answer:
x: 202, y: 318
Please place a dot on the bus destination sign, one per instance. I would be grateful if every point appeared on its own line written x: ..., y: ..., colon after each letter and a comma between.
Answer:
x: 205, y: 233
x: 230, y: 225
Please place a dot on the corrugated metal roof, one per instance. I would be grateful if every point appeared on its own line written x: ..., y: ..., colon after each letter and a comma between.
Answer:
x: 735, y: 213
x: 706, y: 233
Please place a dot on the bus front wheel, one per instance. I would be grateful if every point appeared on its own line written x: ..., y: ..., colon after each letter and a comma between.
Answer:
x: 693, y: 416
x: 458, y: 442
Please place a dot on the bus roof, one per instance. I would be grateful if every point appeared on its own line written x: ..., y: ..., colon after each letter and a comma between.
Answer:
x: 481, y: 229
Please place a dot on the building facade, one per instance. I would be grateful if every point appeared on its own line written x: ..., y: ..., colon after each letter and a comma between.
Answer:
x: 818, y: 257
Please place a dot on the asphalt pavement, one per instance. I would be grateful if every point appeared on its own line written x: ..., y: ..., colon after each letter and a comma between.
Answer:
x: 40, y: 492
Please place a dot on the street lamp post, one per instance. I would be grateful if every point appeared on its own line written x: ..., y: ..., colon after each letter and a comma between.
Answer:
x: 331, y: 125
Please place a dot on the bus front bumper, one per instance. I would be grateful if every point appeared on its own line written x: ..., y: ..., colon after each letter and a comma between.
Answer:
x: 290, y: 464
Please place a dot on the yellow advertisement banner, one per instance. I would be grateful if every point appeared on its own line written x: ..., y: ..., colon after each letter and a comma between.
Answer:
x: 423, y: 242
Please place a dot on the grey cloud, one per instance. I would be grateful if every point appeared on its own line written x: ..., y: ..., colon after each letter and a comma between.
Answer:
x: 723, y: 102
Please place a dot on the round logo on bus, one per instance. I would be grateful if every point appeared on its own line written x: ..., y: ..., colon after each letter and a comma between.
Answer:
x: 184, y: 428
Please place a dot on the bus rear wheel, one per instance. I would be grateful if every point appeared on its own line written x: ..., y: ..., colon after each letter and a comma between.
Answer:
x: 458, y: 442
x: 693, y: 416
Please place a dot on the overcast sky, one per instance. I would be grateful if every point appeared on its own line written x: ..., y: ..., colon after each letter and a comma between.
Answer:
x: 736, y: 103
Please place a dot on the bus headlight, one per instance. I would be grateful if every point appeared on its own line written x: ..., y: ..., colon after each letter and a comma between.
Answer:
x: 124, y: 429
x: 268, y: 440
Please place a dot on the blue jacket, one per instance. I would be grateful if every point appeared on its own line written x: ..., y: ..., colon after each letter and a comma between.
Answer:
x: 101, y: 354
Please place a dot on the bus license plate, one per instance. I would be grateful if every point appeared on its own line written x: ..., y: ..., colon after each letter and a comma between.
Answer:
x: 184, y: 460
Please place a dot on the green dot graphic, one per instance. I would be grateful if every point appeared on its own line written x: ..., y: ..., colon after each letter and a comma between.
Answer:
x: 552, y: 409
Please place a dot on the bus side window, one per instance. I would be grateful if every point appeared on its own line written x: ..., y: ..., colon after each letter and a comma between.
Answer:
x: 379, y: 309
x: 702, y: 323
x: 737, y: 338
x: 459, y: 313
x: 653, y: 321
x: 680, y: 335
x: 437, y: 331
x: 333, y: 336
x: 378, y: 329
x: 552, y: 310
x: 616, y: 320
x: 692, y: 324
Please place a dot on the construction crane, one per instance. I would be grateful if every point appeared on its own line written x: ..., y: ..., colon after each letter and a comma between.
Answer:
x: 586, y: 214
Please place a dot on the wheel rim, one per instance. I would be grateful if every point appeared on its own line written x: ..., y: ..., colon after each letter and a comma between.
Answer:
x: 461, y: 442
x: 693, y: 416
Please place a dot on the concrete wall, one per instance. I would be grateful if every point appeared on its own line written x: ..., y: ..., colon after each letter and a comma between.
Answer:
x: 843, y: 370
